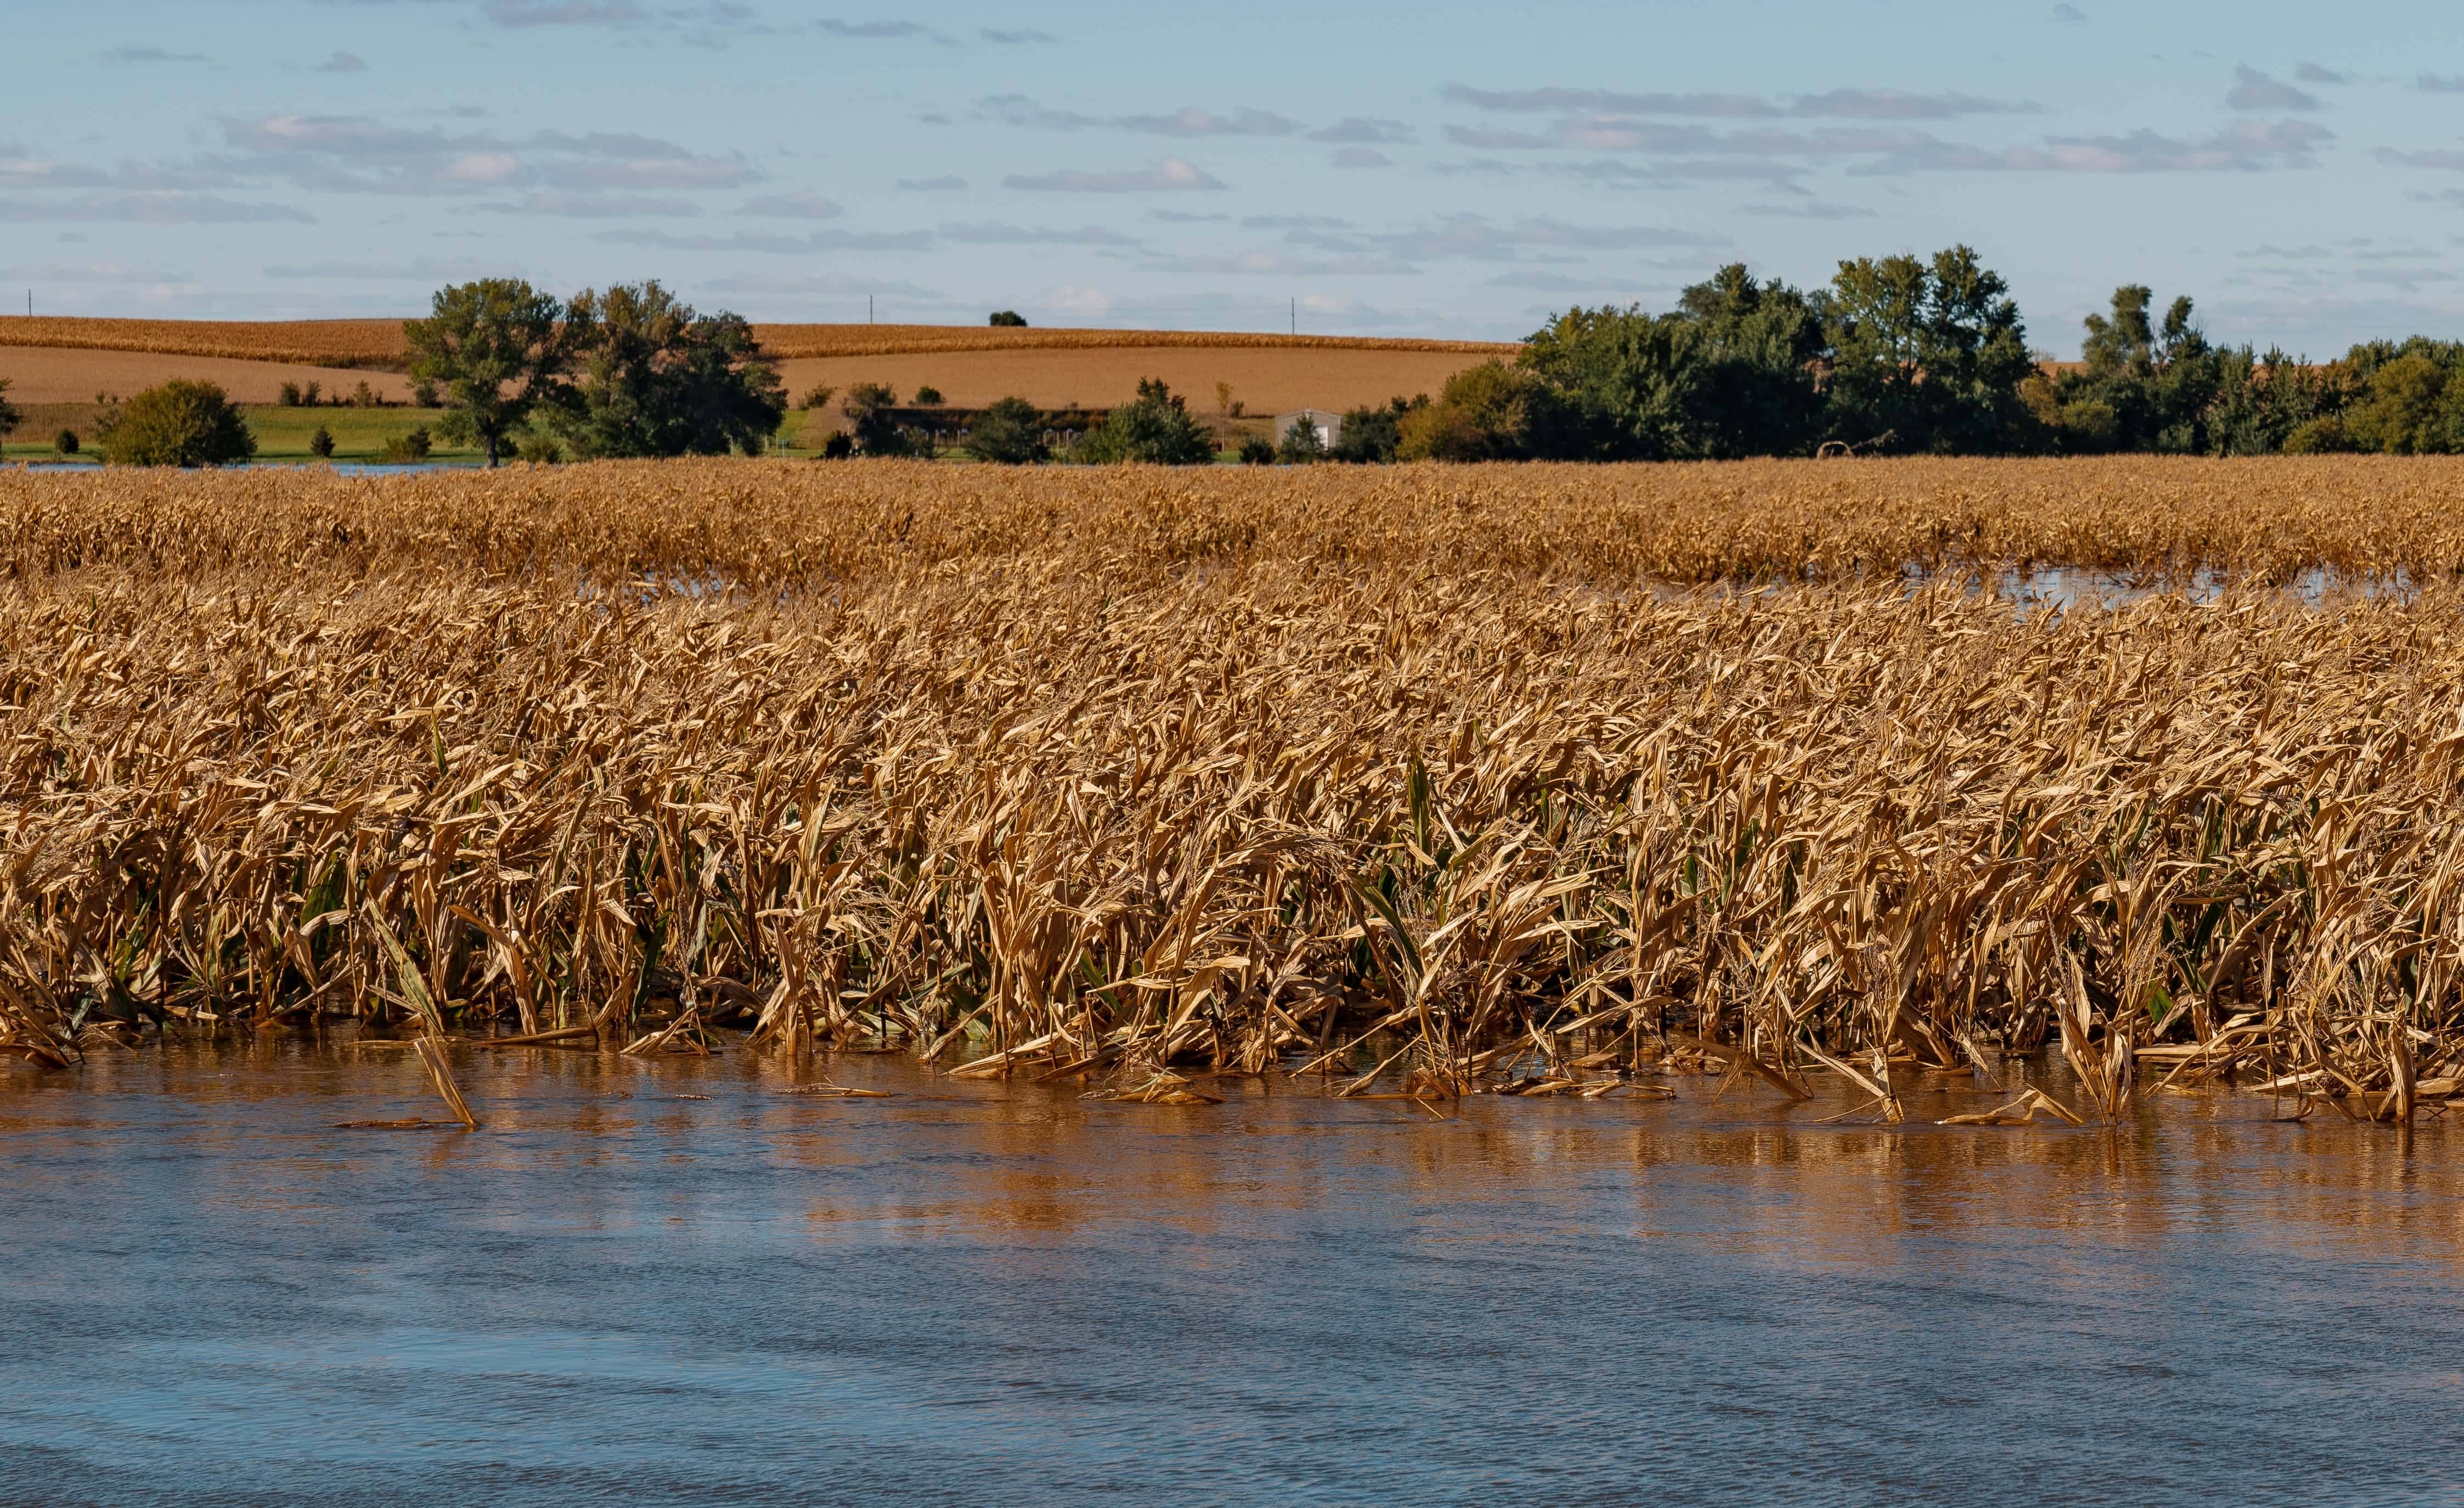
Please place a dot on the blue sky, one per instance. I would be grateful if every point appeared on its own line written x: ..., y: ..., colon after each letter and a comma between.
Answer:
x: 1456, y: 171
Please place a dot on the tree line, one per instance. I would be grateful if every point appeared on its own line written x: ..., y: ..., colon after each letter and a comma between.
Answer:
x: 1898, y: 355
x: 1902, y: 355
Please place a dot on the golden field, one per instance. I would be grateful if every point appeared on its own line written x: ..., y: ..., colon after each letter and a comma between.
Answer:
x: 1449, y: 779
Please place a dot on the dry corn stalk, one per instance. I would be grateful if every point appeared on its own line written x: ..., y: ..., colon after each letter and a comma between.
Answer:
x: 1419, y: 775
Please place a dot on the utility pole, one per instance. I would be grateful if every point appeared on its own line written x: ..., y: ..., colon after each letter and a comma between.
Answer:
x: 1296, y: 317
x: 867, y: 308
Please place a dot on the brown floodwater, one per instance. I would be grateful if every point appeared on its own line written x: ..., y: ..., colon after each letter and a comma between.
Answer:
x: 671, y: 1281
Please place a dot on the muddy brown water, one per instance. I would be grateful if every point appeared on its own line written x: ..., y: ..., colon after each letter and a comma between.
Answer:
x: 989, y: 1293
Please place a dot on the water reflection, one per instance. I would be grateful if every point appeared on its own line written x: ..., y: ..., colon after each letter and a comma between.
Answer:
x: 976, y: 1292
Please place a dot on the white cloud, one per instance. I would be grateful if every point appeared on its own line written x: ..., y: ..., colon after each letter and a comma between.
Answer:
x: 1191, y: 121
x: 150, y: 54
x: 482, y: 168
x: 831, y: 284
x: 879, y: 31
x: 1364, y: 130
x: 782, y: 245
x: 1072, y: 298
x: 1167, y: 175
x: 995, y: 234
x: 150, y: 207
x: 1809, y: 209
x: 563, y: 12
x: 1863, y: 105
x: 563, y: 206
x: 2254, y: 90
x: 424, y: 269
x: 2454, y: 160
x: 802, y: 205
x: 94, y: 273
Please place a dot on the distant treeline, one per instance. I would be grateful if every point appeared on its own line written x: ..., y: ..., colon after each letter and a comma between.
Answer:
x: 1902, y: 355
x: 1899, y: 355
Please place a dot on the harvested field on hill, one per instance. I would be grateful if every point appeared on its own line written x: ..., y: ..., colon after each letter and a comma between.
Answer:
x: 345, y: 343
x: 69, y: 360
x: 306, y: 342
x: 49, y: 375
x: 1265, y: 380
x: 1131, y: 773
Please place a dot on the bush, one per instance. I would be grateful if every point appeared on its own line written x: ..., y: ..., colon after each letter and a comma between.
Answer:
x: 65, y: 442
x: 839, y: 446
x: 928, y: 397
x: 816, y: 396
x: 1009, y: 319
x: 406, y: 450
x: 866, y: 409
x: 1489, y: 412
x: 1301, y: 444
x: 539, y: 444
x: 2319, y: 436
x: 9, y: 415
x: 1156, y: 428
x: 1010, y: 433
x: 322, y: 443
x: 308, y: 396
x: 1371, y: 434
x: 289, y: 396
x: 181, y: 423
x: 1257, y: 450
x: 424, y: 395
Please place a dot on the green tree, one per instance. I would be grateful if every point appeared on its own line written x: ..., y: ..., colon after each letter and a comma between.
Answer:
x: 1373, y: 434
x: 1008, y: 317
x: 181, y: 423
x: 496, y: 350
x: 2141, y: 386
x: 1009, y: 432
x: 1729, y: 372
x: 1926, y: 357
x: 1155, y: 428
x: 870, y: 427
x: 2263, y: 401
x: 1489, y: 412
x: 2404, y: 398
x: 1302, y: 444
x: 9, y: 416
x: 321, y: 444
x: 659, y: 379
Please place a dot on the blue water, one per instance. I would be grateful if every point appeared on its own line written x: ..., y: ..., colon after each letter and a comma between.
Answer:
x: 1004, y: 1294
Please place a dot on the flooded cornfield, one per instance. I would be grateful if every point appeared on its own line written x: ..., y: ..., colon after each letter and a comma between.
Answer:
x: 667, y: 1281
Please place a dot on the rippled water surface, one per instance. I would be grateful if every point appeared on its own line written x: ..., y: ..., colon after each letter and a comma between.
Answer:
x: 989, y: 1293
